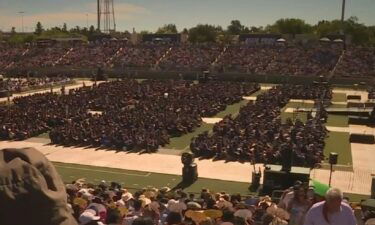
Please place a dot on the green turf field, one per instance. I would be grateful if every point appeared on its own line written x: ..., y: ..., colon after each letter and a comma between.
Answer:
x: 339, y: 142
x: 337, y: 120
x: 183, y: 142
x: 299, y: 105
x: 232, y: 109
x: 339, y: 97
x: 300, y: 115
x: 137, y: 180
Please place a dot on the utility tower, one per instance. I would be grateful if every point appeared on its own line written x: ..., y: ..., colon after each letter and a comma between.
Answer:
x: 106, y: 16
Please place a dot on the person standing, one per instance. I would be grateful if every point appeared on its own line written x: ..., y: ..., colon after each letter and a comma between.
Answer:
x: 298, y: 206
x: 332, y: 211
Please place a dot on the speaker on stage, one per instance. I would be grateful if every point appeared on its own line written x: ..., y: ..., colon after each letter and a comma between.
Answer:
x: 333, y: 156
x: 373, y: 188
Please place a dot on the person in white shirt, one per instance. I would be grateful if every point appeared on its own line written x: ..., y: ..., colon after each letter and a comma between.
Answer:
x: 332, y: 211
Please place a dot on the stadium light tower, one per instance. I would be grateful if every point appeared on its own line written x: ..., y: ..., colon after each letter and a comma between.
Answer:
x: 342, y: 16
x: 21, y: 13
x: 106, y: 14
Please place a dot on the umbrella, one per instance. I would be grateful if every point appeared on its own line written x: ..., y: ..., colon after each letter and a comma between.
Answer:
x: 325, y: 39
x: 320, y: 188
x: 338, y: 40
x: 281, y: 40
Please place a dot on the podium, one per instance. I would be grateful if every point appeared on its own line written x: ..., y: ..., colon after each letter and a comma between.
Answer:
x: 275, y: 179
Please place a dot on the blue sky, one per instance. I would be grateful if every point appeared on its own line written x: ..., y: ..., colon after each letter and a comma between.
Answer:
x: 151, y: 14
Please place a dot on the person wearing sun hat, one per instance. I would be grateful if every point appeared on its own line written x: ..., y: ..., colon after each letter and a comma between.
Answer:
x: 88, y: 216
x: 31, y: 191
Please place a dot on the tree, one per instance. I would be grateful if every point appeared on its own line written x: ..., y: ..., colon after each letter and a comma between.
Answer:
x: 167, y: 29
x: 39, y: 28
x: 65, y: 28
x: 204, y: 33
x: 13, y: 31
x: 235, y: 27
x: 92, y: 29
x: 145, y: 32
x: 256, y: 29
x: 290, y: 26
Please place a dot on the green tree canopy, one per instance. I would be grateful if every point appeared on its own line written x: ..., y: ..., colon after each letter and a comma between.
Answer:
x: 39, y: 28
x: 236, y: 28
x: 204, y: 33
x: 167, y: 29
x: 290, y: 26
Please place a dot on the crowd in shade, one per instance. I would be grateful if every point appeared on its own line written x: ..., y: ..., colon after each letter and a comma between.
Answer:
x: 357, y: 62
x: 126, y: 115
x: 258, y: 135
x: 284, y: 60
x: 23, y: 84
x: 275, y: 59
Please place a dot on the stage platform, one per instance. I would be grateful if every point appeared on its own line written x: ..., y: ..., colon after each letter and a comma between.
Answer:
x: 353, y: 111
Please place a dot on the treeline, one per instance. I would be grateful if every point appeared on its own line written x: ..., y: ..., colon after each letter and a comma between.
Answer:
x: 359, y: 32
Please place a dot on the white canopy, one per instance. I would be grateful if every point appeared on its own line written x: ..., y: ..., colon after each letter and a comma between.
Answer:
x: 325, y: 39
x: 281, y: 40
x: 338, y: 40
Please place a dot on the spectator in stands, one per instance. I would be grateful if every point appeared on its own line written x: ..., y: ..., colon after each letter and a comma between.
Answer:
x: 31, y: 191
x: 298, y: 206
x: 331, y: 211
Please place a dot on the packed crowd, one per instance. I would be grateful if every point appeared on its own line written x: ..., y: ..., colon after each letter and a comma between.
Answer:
x: 258, y: 135
x: 10, y: 54
x: 43, y: 56
x: 31, y: 185
x: 22, y: 84
x: 125, y: 115
x: 191, y: 57
x: 371, y: 93
x: 357, y: 62
x: 145, y: 56
x: 112, y: 205
x: 279, y: 60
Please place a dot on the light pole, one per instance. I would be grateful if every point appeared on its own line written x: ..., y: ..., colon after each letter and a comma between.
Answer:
x: 87, y: 21
x: 22, y: 19
x: 342, y: 16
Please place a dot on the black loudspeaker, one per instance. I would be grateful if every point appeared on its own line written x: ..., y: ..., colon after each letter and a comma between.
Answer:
x: 373, y: 188
x: 187, y: 158
x: 362, y: 138
x: 190, y: 169
x: 274, y: 179
x: 190, y: 173
x: 333, y: 156
x: 353, y: 97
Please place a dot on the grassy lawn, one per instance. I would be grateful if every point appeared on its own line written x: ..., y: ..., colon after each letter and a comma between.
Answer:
x: 339, y: 97
x: 137, y: 180
x: 337, y: 106
x: 337, y: 120
x: 232, y: 109
x: 258, y: 93
x: 183, y: 142
x: 301, y: 115
x: 339, y: 142
x: 299, y: 105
